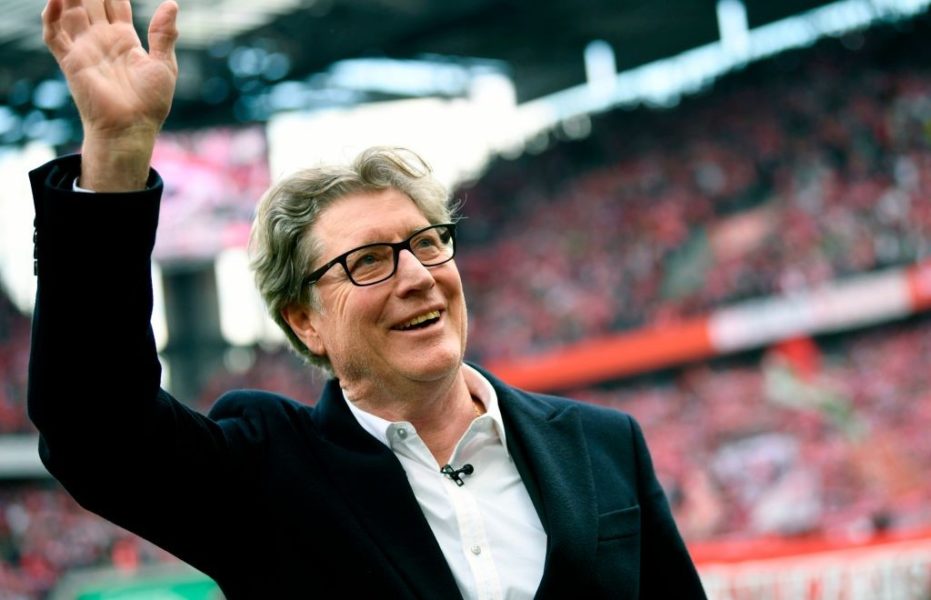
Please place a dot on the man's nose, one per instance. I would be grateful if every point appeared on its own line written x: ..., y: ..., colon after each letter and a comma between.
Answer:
x: 411, y: 273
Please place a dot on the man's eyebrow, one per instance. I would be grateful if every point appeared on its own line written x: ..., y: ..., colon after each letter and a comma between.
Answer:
x: 380, y: 238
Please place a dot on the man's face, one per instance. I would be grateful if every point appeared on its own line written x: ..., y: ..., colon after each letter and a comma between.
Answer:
x: 366, y: 331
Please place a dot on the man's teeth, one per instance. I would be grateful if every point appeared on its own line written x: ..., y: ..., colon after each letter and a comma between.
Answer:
x: 433, y: 314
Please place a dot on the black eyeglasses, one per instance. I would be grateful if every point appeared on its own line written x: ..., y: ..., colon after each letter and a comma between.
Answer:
x: 374, y: 263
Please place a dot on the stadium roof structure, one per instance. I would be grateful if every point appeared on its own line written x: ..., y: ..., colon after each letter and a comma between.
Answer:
x: 231, y: 48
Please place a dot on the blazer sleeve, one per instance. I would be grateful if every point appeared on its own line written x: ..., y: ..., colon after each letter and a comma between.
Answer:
x: 666, y: 569
x: 122, y: 447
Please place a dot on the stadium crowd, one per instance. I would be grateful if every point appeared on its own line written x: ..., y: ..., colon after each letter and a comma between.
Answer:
x: 800, y: 171
x: 780, y: 180
x: 14, y: 358
x: 44, y: 534
x: 827, y: 439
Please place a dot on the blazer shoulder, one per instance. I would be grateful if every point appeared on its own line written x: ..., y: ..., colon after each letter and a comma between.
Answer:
x: 259, y: 410
x: 590, y: 414
x: 548, y: 406
x: 609, y: 416
x: 246, y: 403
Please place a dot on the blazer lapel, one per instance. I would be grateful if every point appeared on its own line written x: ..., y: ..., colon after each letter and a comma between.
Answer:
x: 549, y: 450
x: 375, y: 485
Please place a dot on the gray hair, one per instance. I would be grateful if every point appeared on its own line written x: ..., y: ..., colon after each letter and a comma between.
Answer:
x: 281, y: 246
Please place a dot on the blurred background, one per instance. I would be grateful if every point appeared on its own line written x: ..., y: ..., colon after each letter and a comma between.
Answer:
x: 714, y: 216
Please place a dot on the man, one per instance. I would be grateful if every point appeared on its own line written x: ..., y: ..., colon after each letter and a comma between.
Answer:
x: 414, y: 476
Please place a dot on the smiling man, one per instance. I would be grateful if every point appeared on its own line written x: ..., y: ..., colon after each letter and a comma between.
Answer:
x: 391, y: 344
x: 414, y: 476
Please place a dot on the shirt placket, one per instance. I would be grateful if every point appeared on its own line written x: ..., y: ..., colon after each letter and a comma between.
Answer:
x: 475, y: 543
x: 404, y: 440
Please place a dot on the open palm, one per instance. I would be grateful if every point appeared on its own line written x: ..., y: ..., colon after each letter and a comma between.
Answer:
x: 116, y: 85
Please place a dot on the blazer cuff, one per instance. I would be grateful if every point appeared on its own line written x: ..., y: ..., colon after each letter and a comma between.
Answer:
x: 72, y: 225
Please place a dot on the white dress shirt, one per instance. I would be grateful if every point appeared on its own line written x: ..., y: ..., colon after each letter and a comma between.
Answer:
x: 487, y: 528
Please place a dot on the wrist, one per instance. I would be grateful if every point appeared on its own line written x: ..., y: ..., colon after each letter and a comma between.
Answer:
x: 117, y: 162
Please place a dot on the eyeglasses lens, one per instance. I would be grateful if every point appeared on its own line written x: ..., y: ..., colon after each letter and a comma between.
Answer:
x: 376, y: 262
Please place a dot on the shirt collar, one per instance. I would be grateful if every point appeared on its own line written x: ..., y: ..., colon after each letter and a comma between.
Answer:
x: 477, y: 385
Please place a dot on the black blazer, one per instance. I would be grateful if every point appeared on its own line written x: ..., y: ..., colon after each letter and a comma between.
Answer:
x: 275, y: 499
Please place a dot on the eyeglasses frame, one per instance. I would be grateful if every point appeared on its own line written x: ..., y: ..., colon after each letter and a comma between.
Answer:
x: 315, y: 276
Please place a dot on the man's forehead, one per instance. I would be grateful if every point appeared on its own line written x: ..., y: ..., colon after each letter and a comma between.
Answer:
x: 366, y: 218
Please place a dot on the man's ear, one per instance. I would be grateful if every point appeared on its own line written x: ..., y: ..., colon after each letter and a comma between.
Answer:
x: 302, y: 319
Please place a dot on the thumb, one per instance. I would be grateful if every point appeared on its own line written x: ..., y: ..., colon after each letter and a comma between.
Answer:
x: 163, y: 31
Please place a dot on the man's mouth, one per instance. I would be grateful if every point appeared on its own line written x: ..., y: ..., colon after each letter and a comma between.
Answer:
x: 420, y: 321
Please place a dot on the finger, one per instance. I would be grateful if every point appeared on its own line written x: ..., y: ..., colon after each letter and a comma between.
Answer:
x: 74, y: 19
x: 96, y: 13
x: 52, y: 12
x: 119, y: 11
x: 52, y: 34
x: 163, y: 31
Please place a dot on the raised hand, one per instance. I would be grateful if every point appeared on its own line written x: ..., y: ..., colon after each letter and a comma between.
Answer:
x: 122, y: 92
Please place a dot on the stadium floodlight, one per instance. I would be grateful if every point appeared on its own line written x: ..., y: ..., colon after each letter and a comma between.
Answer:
x: 600, y: 67
x: 732, y: 25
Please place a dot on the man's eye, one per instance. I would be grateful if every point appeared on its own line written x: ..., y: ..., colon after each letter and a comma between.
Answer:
x: 368, y: 260
x: 426, y: 242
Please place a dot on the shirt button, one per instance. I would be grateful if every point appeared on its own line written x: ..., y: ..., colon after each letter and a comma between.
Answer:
x: 402, y: 433
x: 476, y: 550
